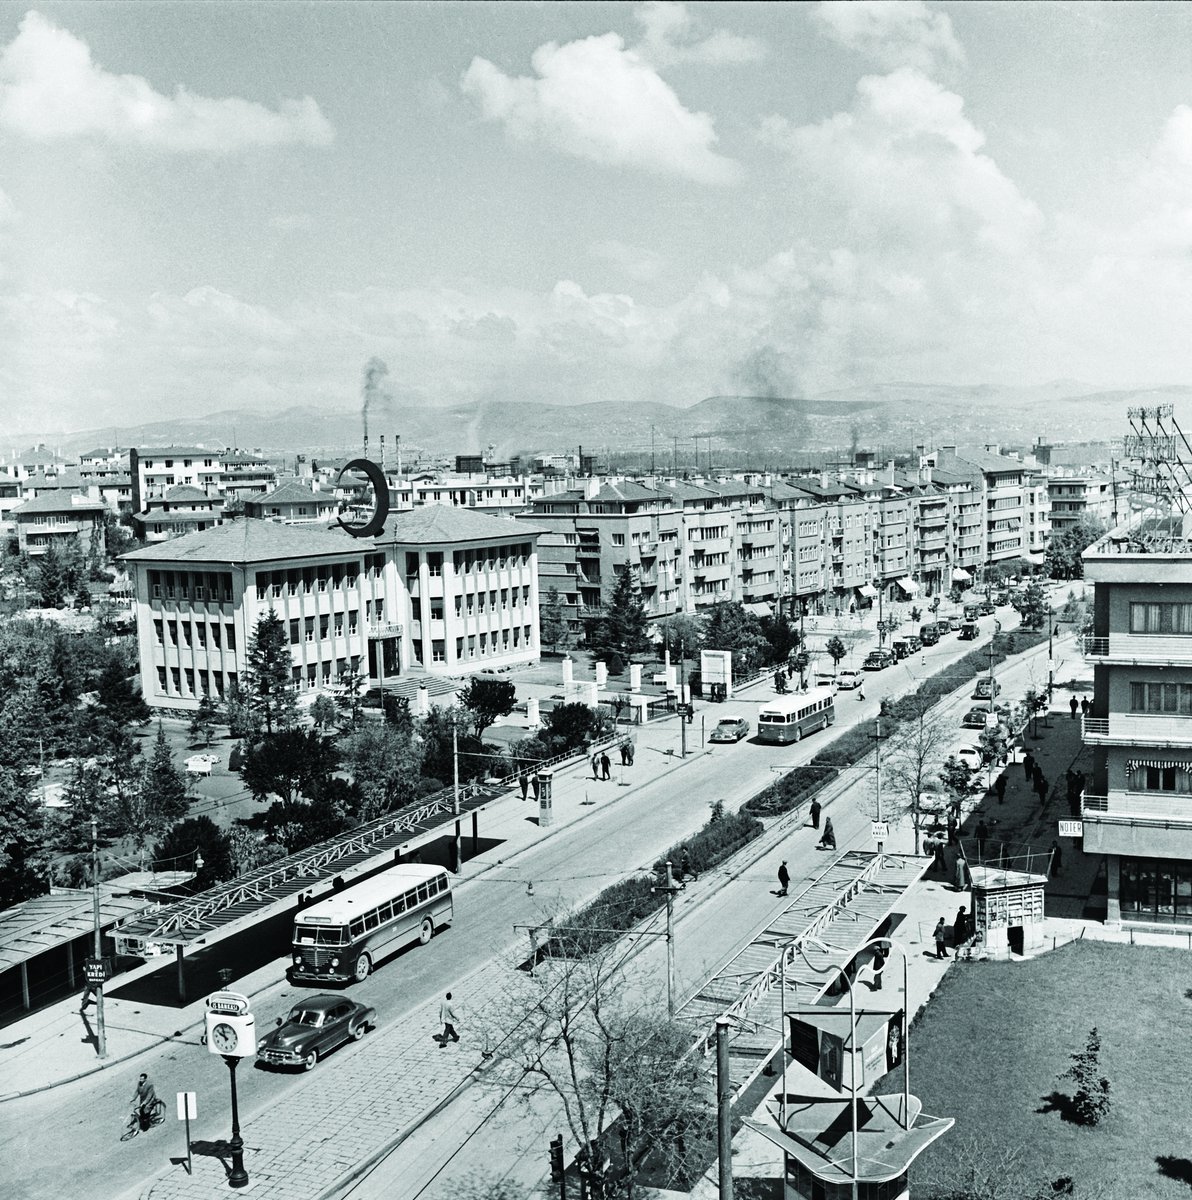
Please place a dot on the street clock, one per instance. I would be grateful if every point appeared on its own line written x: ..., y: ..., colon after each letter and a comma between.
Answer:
x: 231, y: 1028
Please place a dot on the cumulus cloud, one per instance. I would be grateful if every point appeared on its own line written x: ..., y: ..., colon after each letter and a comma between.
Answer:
x: 891, y: 33
x: 597, y: 100
x: 51, y: 89
x: 671, y: 35
x: 905, y: 168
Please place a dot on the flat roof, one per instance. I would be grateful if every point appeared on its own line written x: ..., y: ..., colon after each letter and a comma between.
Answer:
x: 46, y: 922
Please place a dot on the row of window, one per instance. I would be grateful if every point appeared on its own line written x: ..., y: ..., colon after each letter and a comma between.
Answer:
x: 198, y: 634
x: 491, y: 558
x: 187, y: 585
x: 1161, y: 617
x: 182, y: 682
x: 306, y: 580
x: 329, y: 625
x: 1173, y: 698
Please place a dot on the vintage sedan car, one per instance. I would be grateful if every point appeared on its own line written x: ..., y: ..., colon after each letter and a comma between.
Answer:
x: 313, y: 1028
x: 971, y: 756
x: 848, y: 679
x: 878, y: 660
x: 730, y: 729
x: 975, y: 718
x: 986, y: 689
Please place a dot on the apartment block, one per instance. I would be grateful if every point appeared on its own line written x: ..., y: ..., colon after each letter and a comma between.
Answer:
x: 1075, y: 496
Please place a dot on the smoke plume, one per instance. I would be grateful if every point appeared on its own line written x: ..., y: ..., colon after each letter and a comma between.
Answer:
x: 375, y: 392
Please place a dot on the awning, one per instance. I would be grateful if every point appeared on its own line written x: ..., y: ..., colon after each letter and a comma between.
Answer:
x: 960, y: 575
x: 909, y: 586
x: 868, y: 591
x: 1161, y: 764
x: 759, y: 609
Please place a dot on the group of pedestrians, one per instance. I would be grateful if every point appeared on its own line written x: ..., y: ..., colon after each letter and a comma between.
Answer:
x: 1074, y: 782
x: 1033, y: 774
x: 1084, y: 705
x: 601, y: 766
x: 961, y: 933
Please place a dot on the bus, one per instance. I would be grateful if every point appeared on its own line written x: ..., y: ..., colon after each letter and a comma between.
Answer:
x: 788, y: 718
x: 341, y: 939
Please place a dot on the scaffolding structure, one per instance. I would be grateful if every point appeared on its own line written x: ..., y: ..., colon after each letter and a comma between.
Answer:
x: 1160, y: 480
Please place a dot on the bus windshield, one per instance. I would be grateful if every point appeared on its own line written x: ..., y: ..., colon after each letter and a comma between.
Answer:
x: 320, y: 935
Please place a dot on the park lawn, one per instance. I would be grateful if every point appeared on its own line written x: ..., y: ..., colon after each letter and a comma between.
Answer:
x: 990, y: 1044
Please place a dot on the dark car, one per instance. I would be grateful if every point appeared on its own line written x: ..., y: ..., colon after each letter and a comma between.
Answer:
x: 878, y: 660
x: 914, y: 642
x: 971, y: 612
x: 975, y: 718
x: 968, y: 631
x: 986, y: 689
x: 929, y: 634
x: 900, y: 649
x: 986, y: 607
x: 314, y: 1027
x: 1001, y: 599
x: 730, y: 729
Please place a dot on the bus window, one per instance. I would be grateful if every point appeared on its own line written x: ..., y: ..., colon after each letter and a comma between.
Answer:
x: 372, y: 920
x: 399, y: 905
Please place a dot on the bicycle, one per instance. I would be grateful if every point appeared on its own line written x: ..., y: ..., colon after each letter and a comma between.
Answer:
x: 146, y: 1118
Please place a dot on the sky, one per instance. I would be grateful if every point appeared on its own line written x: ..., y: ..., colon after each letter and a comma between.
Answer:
x: 210, y: 206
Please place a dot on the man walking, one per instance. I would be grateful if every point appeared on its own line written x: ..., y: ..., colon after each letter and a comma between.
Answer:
x: 596, y: 765
x: 1073, y: 704
x: 880, y: 954
x: 1000, y: 788
x: 784, y: 879
x: 1028, y: 766
x: 940, y: 933
x: 605, y: 767
x: 450, y: 1020
x: 815, y: 813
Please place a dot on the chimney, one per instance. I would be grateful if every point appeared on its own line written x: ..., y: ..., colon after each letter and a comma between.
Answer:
x: 382, y: 452
x: 591, y: 487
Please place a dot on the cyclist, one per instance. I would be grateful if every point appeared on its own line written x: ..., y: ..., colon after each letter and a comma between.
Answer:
x: 143, y: 1100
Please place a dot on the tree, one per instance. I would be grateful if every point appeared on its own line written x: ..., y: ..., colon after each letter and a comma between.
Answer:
x: 485, y: 700
x: 730, y: 627
x: 51, y: 579
x: 614, y: 1068
x: 571, y: 725
x: 1033, y: 606
x: 438, y: 750
x: 1062, y: 559
x: 385, y: 765
x: 167, y: 786
x: 117, y: 698
x: 23, y: 866
x: 624, y: 628
x: 241, y: 721
x: 1091, y: 1103
x: 83, y: 801
x: 197, y: 837
x: 269, y: 689
x: 836, y: 651
x: 291, y: 764
x: 323, y: 712
x: 203, y: 719
x: 957, y: 777
x: 350, y: 700
x: 552, y: 624
x: 782, y: 636
x: 911, y: 762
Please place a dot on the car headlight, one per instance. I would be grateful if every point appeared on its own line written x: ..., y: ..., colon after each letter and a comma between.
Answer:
x: 297, y: 958
x: 335, y: 962
x: 261, y: 1044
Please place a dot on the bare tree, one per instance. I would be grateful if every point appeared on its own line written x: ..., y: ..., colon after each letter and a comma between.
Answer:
x: 911, y: 764
x: 621, y: 1071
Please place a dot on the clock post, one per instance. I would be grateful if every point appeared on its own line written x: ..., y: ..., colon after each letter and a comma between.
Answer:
x: 231, y: 1033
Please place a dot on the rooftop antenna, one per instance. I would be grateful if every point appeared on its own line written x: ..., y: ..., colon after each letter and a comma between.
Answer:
x: 1161, y: 482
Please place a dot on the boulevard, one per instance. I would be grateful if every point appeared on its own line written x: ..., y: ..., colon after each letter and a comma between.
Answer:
x: 622, y: 833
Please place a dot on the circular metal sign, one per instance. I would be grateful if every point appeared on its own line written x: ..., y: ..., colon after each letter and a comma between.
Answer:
x: 376, y: 522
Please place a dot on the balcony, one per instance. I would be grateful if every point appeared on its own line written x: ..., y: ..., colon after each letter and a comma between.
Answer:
x: 1162, y: 808
x: 1134, y: 649
x: 379, y: 630
x: 1130, y: 729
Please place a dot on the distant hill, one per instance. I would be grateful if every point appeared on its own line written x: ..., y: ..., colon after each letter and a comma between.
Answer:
x: 760, y: 428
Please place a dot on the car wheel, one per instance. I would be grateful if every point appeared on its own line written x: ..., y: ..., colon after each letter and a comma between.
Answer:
x: 362, y: 968
x: 308, y: 1063
x: 359, y: 1031
x: 427, y: 931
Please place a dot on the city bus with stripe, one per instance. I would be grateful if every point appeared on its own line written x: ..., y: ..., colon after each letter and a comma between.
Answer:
x: 790, y: 718
x: 342, y: 938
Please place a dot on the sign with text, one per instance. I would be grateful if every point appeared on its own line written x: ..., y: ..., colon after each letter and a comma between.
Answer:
x: 1071, y: 829
x: 232, y: 1003
x: 880, y: 831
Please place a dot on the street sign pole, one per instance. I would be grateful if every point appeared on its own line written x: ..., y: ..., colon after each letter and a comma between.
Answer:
x: 187, y: 1108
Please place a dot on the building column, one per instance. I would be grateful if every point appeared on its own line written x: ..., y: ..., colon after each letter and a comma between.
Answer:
x: 1113, y: 892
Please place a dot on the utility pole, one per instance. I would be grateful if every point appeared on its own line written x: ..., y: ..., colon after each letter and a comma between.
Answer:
x: 683, y: 701
x: 670, y: 887
x: 675, y: 459
x: 724, y: 1122
x: 101, y: 1037
x: 652, y: 467
x: 877, y: 725
x: 458, y: 860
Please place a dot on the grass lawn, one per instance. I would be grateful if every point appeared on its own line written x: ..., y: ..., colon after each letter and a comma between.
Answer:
x: 991, y: 1043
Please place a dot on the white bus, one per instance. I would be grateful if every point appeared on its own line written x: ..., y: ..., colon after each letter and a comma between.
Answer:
x: 343, y: 937
x: 788, y: 718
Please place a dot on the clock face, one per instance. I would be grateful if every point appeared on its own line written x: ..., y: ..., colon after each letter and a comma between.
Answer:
x: 224, y: 1038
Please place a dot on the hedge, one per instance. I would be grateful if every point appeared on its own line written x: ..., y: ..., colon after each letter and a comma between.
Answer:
x: 784, y: 795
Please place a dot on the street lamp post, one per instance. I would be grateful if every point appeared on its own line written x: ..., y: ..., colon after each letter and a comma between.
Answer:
x: 238, y: 1177
x: 101, y: 1036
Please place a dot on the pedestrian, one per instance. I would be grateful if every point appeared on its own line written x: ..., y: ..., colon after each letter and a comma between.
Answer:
x: 1073, y: 704
x: 630, y: 750
x: 784, y: 879
x: 960, y: 930
x: 962, y: 873
x: 940, y: 933
x: 1041, y: 788
x: 450, y: 1021
x: 953, y: 830
x: 880, y: 954
x: 605, y: 767
x: 88, y: 997
x: 815, y: 813
x: 624, y: 759
x: 982, y: 837
x: 941, y: 863
x: 1086, y: 705
x: 1057, y: 860
x: 861, y: 691
x: 1000, y: 788
x: 596, y: 765
x: 525, y: 786
x: 828, y: 840
x: 685, y: 871
x: 1028, y: 765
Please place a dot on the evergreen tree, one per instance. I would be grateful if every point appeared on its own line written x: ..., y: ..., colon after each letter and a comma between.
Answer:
x: 552, y: 625
x: 169, y: 793
x: 117, y: 698
x: 352, y: 686
x: 624, y: 629
x: 485, y: 700
x: 203, y: 719
x: 51, y: 579
x: 323, y: 712
x: 23, y: 865
x: 290, y: 764
x: 240, y: 719
x: 730, y: 627
x: 268, y: 676
x: 177, y: 850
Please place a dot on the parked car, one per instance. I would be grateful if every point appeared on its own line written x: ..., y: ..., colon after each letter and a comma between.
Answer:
x: 313, y: 1028
x: 968, y: 631
x: 730, y: 729
x: 954, y: 623
x: 1001, y: 599
x: 825, y: 679
x: 971, y: 612
x: 849, y: 679
x: 929, y: 634
x: 986, y: 607
x: 914, y: 642
x: 975, y: 718
x: 900, y: 649
x: 970, y: 755
x: 879, y: 659
x: 986, y: 689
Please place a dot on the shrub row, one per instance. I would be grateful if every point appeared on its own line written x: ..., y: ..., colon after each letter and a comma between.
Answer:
x: 787, y: 792
x: 621, y: 906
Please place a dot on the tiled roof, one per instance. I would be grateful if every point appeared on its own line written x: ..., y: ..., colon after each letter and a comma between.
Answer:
x: 293, y: 491
x: 251, y: 541
x: 156, y: 452
x: 69, y: 481
x: 184, y: 491
x: 178, y: 517
x: 990, y: 463
x: 56, y: 502
x: 437, y: 523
